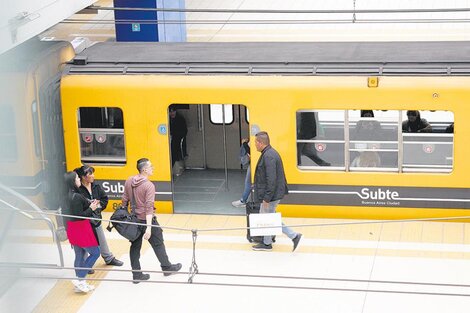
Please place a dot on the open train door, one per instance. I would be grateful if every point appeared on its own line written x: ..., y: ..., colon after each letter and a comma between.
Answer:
x: 206, y: 170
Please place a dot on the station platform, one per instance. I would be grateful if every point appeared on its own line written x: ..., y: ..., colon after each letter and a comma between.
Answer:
x: 339, y: 266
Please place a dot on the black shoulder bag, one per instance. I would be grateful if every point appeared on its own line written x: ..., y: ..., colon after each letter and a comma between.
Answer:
x: 128, y: 231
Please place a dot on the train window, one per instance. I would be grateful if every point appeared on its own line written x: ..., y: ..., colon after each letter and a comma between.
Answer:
x: 320, y: 139
x: 373, y: 140
x: 9, y: 151
x: 428, y: 141
x: 101, y: 135
x: 218, y: 111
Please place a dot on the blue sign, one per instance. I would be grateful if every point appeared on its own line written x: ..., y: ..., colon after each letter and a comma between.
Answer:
x: 162, y: 129
x: 135, y: 27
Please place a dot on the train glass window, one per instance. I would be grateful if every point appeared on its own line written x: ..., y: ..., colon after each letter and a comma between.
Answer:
x: 218, y: 111
x: 373, y: 140
x: 428, y: 141
x: 101, y: 135
x: 9, y: 151
x: 320, y: 139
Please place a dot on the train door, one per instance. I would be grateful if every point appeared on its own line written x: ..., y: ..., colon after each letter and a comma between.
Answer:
x: 206, y: 170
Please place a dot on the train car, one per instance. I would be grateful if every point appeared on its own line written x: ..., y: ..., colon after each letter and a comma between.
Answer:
x: 32, y: 159
x: 365, y: 130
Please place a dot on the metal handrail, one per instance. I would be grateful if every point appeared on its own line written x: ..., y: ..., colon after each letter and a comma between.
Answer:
x: 42, y: 217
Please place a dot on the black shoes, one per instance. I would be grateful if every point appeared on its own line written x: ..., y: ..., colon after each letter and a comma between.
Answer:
x: 262, y: 247
x: 140, y: 277
x: 296, y: 241
x: 115, y: 262
x: 173, y: 268
x: 91, y: 272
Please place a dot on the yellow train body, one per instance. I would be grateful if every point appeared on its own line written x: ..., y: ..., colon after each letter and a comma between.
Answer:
x: 272, y: 102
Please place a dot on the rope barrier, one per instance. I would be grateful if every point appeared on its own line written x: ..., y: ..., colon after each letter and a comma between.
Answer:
x: 194, y: 269
x: 430, y: 219
x: 260, y: 276
x: 261, y: 286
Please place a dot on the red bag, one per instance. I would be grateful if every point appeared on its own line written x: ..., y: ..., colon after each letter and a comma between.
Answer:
x: 80, y: 234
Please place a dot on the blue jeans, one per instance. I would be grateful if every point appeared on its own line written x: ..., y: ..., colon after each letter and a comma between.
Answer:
x: 247, y: 190
x: 88, y: 262
x: 271, y: 208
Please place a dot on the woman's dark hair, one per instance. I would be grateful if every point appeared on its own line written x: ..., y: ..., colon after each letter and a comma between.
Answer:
x: 70, y: 181
x: 84, y: 170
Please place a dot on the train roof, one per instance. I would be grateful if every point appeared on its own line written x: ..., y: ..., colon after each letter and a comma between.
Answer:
x: 276, y: 58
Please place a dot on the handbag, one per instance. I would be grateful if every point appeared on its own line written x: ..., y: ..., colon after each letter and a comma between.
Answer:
x: 80, y: 234
x: 129, y: 231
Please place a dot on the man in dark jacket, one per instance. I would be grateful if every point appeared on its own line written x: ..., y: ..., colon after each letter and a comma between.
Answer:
x: 178, y: 132
x: 270, y: 186
x: 415, y: 124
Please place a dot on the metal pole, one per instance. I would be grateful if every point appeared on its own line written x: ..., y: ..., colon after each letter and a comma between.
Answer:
x: 204, y: 156
x: 225, y: 147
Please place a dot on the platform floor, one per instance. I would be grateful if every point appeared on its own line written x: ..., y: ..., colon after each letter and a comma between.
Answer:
x: 415, y: 266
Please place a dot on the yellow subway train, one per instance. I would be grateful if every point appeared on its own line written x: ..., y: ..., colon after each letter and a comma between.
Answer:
x: 228, y: 91
x: 365, y: 130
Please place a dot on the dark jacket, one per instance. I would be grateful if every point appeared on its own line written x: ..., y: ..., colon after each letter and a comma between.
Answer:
x: 270, y: 179
x: 78, y: 205
x: 178, y: 132
x: 96, y: 193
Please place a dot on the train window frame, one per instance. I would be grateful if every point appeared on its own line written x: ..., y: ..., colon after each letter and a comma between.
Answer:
x: 101, y: 134
x: 393, y: 144
x: 231, y: 110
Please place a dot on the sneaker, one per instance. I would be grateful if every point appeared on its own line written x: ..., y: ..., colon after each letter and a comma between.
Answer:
x: 296, y: 241
x: 115, y: 262
x: 262, y: 247
x: 141, y: 277
x: 90, y: 287
x: 91, y: 272
x: 80, y: 286
x: 172, y: 269
x: 238, y: 204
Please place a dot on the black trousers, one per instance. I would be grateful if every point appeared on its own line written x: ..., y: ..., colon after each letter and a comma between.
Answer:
x: 156, y: 241
x: 308, y: 149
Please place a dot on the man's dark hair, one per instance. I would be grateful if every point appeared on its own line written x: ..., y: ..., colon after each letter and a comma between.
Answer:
x: 263, y: 138
x: 141, y: 163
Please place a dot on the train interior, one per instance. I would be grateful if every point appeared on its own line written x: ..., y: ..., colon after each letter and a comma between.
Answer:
x: 209, y: 176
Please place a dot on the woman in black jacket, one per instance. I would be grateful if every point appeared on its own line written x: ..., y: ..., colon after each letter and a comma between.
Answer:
x: 78, y: 205
x: 92, y: 191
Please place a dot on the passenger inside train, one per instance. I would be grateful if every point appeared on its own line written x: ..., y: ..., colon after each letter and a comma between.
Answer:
x: 307, y: 129
x: 415, y: 124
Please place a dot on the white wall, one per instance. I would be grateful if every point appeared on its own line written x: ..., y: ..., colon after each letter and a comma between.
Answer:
x: 24, y: 19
